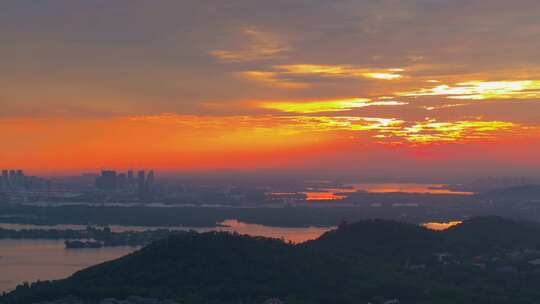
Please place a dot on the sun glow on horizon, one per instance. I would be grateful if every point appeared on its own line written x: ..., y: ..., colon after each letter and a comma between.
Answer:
x: 196, y: 142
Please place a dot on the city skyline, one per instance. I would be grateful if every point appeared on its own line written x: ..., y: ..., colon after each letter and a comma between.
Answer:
x: 269, y: 151
x: 406, y: 89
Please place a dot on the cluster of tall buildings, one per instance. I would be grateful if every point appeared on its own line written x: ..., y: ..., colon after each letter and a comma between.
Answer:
x: 16, y: 180
x: 142, y: 183
x: 12, y: 180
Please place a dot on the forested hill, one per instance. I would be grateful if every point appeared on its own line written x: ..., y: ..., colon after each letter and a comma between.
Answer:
x: 378, y: 239
x: 369, y: 261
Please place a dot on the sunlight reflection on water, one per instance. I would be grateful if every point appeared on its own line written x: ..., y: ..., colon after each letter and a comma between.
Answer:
x: 32, y: 260
x: 441, y: 225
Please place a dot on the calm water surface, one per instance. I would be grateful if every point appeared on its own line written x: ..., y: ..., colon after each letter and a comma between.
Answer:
x: 408, y: 188
x: 333, y: 193
x: 441, y: 225
x: 32, y: 260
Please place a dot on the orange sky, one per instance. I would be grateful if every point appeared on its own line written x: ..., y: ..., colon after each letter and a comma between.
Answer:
x: 258, y: 142
x: 394, y: 86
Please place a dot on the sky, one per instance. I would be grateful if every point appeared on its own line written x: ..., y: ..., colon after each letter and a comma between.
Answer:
x: 403, y: 88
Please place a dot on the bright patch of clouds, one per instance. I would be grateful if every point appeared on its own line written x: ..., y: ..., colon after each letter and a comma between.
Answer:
x: 326, y: 105
x: 481, y: 90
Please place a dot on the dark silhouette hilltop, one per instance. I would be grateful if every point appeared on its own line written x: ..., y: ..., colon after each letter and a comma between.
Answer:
x: 483, y: 260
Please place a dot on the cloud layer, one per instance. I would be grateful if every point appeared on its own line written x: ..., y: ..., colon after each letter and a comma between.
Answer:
x: 414, y: 73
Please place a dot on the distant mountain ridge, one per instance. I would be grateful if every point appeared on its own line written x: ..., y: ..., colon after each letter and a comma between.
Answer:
x: 525, y: 192
x: 367, y: 261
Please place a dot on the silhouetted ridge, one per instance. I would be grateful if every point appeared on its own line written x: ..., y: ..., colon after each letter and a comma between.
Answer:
x: 368, y: 261
x: 378, y: 239
x: 213, y: 267
x: 485, y: 234
x: 492, y: 227
x: 195, y: 256
x: 378, y: 231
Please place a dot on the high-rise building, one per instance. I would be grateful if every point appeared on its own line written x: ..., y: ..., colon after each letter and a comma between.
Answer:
x: 20, y: 179
x: 149, y: 185
x: 141, y: 181
x: 107, y: 181
x: 13, y: 179
x: 122, y: 181
x: 4, y: 180
x: 131, y: 180
x: 17, y: 180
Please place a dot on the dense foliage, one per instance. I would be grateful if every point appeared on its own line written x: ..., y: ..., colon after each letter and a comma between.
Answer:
x: 368, y: 261
x: 102, y: 236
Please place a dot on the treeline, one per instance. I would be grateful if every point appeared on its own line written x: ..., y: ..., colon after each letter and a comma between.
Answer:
x: 370, y: 261
x: 103, y: 236
x: 212, y: 216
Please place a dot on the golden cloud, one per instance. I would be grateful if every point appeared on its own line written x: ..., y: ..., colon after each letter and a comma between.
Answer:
x: 338, y: 105
x: 284, y: 76
x: 481, y: 90
x: 384, y: 130
x: 433, y: 131
x: 340, y: 71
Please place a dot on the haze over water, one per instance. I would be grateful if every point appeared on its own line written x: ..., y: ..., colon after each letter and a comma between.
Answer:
x: 32, y: 260
x: 380, y: 121
x: 334, y: 193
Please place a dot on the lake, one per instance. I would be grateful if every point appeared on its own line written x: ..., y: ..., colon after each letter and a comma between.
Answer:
x: 32, y: 260
x: 438, y: 226
x: 337, y: 193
